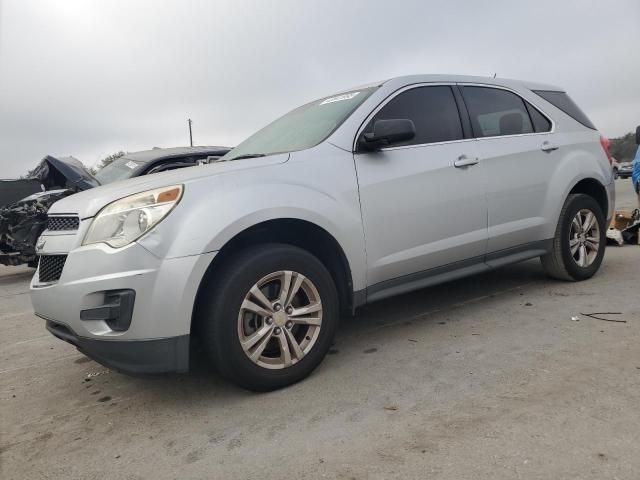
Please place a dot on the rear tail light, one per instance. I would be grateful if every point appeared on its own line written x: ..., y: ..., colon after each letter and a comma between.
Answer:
x: 605, y: 146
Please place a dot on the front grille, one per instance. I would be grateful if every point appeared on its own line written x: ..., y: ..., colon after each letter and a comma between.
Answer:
x: 62, y: 223
x: 50, y: 267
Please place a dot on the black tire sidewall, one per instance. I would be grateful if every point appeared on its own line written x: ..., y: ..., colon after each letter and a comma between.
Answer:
x: 221, y: 329
x: 577, y: 203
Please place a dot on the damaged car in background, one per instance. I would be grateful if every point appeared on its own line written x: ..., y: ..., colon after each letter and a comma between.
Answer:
x: 24, y: 203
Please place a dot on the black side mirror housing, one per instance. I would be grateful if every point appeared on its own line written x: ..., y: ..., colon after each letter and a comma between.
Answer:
x: 386, y: 133
x: 637, y: 135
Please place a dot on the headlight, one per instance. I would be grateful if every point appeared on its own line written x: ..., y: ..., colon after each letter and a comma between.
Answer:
x: 125, y: 220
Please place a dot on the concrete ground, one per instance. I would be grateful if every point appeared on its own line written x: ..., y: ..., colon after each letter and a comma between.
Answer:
x: 499, y: 376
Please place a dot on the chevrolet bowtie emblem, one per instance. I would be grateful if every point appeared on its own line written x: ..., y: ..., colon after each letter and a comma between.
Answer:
x: 40, y: 244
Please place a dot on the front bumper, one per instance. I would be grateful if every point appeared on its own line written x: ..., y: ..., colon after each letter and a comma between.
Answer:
x: 157, y: 337
x: 133, y: 357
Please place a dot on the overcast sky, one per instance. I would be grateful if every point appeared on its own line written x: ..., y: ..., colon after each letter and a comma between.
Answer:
x: 88, y: 78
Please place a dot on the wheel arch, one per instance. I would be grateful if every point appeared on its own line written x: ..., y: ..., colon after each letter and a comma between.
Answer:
x: 595, y: 189
x: 292, y: 231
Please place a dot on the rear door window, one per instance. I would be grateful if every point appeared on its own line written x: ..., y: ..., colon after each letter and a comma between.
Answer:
x: 495, y: 112
x: 563, y: 101
x: 433, y: 111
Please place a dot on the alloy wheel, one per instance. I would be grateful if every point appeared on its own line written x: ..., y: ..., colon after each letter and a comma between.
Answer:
x: 584, y: 238
x: 280, y: 319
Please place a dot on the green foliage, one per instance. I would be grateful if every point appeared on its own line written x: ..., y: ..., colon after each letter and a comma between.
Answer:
x: 624, y: 148
x: 30, y: 173
x: 106, y: 161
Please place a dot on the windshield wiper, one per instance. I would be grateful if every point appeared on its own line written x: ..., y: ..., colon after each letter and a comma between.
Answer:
x: 248, y: 155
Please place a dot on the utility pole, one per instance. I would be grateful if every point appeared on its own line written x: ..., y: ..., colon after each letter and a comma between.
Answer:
x: 190, y: 134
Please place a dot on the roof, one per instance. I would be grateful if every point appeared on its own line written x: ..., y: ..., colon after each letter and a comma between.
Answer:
x: 506, y: 82
x: 160, y: 153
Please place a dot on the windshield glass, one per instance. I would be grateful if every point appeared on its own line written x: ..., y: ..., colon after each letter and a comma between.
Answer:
x: 119, y: 169
x: 302, y: 128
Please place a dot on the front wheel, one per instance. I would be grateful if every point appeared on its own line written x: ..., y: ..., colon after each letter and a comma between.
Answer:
x: 579, y: 242
x: 270, y: 318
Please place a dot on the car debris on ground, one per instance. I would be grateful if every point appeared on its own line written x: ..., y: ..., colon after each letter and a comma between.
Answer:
x: 624, y: 227
x: 598, y: 316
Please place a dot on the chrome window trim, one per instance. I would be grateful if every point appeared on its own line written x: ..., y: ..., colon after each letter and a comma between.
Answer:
x: 448, y: 84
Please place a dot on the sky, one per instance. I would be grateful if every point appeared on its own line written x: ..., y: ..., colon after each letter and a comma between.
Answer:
x: 89, y: 78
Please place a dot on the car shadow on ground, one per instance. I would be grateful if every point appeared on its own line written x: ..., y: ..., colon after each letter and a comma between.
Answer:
x: 202, y: 384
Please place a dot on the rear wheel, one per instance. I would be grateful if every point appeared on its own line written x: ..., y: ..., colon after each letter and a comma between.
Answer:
x: 579, y: 243
x: 271, y: 317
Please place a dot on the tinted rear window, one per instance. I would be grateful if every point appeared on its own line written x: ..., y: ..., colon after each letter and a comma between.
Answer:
x: 562, y: 101
x: 496, y: 112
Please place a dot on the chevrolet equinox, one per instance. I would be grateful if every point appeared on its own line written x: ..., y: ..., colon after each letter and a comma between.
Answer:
x: 346, y: 200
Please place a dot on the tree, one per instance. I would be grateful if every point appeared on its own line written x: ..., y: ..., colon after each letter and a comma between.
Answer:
x: 30, y: 173
x: 107, y: 160
x: 623, y: 149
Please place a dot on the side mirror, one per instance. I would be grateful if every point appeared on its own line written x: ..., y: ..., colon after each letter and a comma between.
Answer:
x: 637, y: 135
x: 386, y: 133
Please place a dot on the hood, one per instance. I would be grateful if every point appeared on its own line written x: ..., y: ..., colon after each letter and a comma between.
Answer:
x: 87, y: 204
x: 64, y: 172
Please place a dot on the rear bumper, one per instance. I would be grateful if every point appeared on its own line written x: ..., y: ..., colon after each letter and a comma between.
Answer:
x: 159, y: 355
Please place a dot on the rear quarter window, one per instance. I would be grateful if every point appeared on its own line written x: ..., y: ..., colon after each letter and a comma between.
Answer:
x: 564, y: 102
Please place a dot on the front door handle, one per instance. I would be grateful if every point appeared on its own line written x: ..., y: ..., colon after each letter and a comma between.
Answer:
x: 464, y: 161
x: 548, y: 147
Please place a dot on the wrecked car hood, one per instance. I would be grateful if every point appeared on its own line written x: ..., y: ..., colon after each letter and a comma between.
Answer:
x: 64, y: 172
x: 87, y: 204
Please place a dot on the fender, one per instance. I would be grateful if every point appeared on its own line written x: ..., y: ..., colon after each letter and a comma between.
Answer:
x: 579, y: 164
x: 213, y: 212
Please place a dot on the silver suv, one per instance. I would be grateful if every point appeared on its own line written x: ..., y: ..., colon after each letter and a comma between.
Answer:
x: 346, y: 200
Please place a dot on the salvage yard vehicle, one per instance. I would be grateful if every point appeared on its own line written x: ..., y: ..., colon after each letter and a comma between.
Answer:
x: 336, y: 204
x: 23, y: 220
x: 625, y: 170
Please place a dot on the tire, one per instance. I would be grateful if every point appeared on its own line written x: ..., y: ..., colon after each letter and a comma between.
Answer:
x: 560, y: 262
x: 616, y: 175
x: 224, y: 321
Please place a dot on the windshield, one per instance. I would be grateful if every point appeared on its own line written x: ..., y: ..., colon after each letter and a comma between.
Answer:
x: 119, y: 169
x: 303, y: 127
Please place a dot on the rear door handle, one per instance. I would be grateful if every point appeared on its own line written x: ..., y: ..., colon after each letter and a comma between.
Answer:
x: 548, y: 147
x: 464, y: 161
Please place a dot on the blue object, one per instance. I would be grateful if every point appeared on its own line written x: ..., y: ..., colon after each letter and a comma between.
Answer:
x: 635, y: 175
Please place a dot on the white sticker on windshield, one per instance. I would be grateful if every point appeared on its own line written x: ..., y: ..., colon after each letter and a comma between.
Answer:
x: 339, y: 98
x: 131, y: 164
